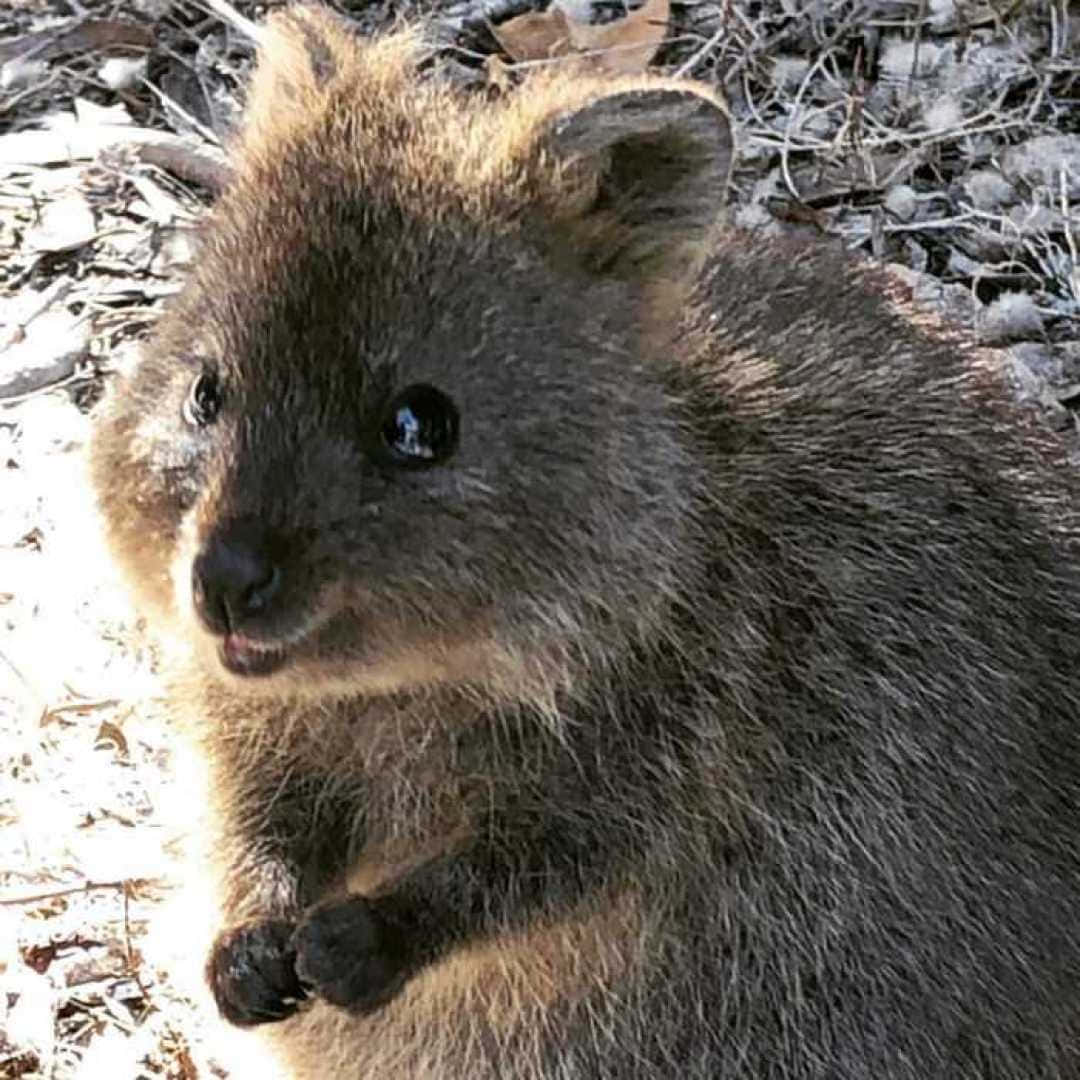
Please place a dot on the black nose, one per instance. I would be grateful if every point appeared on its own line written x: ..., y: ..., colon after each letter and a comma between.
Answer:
x: 235, y: 575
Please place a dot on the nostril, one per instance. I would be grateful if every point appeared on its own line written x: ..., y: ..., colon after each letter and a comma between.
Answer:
x: 234, y: 576
x: 258, y: 595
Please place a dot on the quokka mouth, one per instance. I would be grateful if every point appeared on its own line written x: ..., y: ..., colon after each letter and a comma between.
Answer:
x: 245, y: 657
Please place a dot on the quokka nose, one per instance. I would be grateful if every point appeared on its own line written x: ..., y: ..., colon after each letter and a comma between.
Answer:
x: 234, y: 576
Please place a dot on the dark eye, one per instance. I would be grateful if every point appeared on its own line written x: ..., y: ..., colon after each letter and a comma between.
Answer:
x: 421, y: 426
x: 203, y: 402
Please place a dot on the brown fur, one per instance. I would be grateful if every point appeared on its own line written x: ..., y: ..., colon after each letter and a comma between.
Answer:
x: 712, y: 712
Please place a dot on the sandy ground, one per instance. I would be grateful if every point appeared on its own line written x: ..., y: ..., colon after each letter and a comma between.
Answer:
x: 91, y: 819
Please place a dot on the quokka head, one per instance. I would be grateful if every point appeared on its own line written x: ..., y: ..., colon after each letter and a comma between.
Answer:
x: 412, y: 420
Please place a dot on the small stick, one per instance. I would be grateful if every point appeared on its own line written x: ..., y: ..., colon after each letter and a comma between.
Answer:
x: 89, y: 886
x: 227, y: 13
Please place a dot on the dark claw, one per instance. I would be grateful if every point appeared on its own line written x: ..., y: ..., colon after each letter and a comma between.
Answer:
x: 252, y: 972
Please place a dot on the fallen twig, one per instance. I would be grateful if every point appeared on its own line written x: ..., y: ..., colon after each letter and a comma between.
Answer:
x: 89, y: 886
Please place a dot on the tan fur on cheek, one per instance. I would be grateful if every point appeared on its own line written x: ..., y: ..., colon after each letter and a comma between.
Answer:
x: 187, y: 547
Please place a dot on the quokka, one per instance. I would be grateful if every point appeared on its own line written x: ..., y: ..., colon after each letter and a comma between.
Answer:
x: 622, y: 647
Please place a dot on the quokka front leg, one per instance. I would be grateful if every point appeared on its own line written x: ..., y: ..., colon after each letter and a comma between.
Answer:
x: 284, y: 848
x: 356, y: 952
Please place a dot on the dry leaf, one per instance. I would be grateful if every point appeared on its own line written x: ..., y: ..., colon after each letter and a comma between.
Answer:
x: 108, y: 733
x: 798, y: 213
x: 50, y: 346
x: 63, y: 225
x: 621, y: 47
x: 628, y: 44
x: 536, y: 35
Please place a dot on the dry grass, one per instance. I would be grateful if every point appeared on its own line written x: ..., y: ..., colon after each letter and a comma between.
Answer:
x: 939, y: 135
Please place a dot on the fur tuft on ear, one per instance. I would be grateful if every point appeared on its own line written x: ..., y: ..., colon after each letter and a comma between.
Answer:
x: 299, y: 56
x: 651, y: 167
x: 308, y: 56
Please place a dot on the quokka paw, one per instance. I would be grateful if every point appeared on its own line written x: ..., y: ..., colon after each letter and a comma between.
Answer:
x: 347, y: 955
x: 252, y: 973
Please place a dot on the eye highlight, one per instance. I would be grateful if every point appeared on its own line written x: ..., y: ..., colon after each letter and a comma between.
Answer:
x: 203, y: 402
x: 420, y: 427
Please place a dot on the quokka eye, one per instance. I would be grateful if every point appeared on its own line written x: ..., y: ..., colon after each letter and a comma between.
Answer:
x: 420, y: 427
x: 203, y: 401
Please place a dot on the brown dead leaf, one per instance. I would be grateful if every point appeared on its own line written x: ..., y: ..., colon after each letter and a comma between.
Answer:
x: 110, y: 734
x: 627, y: 45
x: 40, y: 957
x: 536, y: 35
x: 620, y: 48
x: 798, y: 213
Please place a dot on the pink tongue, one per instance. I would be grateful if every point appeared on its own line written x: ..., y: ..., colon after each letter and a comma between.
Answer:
x: 245, y: 657
x: 238, y: 647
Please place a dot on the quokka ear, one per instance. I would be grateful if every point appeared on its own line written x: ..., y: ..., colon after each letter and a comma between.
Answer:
x: 645, y: 171
x: 303, y: 49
